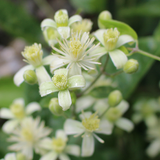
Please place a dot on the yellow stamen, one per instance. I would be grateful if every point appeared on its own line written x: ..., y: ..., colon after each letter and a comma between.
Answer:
x: 58, y: 144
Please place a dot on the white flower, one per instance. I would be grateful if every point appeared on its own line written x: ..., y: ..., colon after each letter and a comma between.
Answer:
x: 16, y: 113
x: 78, y: 52
x: 146, y: 109
x: 61, y: 23
x: 63, y: 83
x: 153, y: 134
x: 112, y: 40
x: 33, y: 55
x: 89, y: 126
x: 114, y: 115
x: 28, y: 135
x: 57, y: 147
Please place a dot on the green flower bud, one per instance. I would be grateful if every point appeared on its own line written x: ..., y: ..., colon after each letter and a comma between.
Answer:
x: 114, y: 98
x: 105, y: 15
x: 30, y: 77
x: 113, y: 114
x: 131, y: 66
x: 61, y: 18
x: 54, y: 107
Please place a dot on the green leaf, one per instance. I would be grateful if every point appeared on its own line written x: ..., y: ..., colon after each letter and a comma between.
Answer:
x: 17, y: 22
x: 123, y: 28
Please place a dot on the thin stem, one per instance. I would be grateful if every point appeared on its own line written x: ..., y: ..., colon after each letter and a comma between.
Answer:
x: 104, y: 112
x: 95, y: 80
x: 45, y: 7
x: 114, y: 74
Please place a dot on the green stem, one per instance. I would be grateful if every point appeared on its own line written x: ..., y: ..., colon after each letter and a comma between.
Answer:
x: 114, y: 74
x: 104, y: 112
x: 95, y: 80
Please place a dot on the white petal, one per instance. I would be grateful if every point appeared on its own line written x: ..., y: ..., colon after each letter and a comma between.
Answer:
x: 6, y: 113
x: 64, y: 32
x: 74, y: 69
x: 10, y: 156
x: 73, y: 127
x: 98, y: 52
x: 118, y: 58
x: 74, y: 18
x: 99, y: 35
x: 48, y: 23
x: 63, y: 156
x: 18, y: 77
x: 61, y: 134
x: 137, y: 117
x: 63, y: 71
x: 151, y: 120
x: 124, y: 124
x: 57, y: 63
x: 83, y: 103
x: 123, y: 106
x: 32, y: 107
x: 101, y: 105
x: 20, y: 101
x: 85, y: 115
x: 50, y: 156
x: 76, y: 81
x: 9, y: 126
x: 47, y: 88
x: 124, y: 39
x: 105, y: 127
x: 154, y: 148
x: 47, y: 60
x: 73, y: 150
x: 42, y: 75
x: 46, y: 143
x: 87, y: 145
x: 64, y: 99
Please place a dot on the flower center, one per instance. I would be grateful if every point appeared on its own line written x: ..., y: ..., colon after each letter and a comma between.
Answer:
x: 113, y: 114
x: 17, y: 110
x: 58, y: 144
x: 110, y: 38
x: 75, y: 47
x: 61, y: 19
x: 92, y: 123
x: 27, y: 134
x: 60, y: 81
x: 33, y: 54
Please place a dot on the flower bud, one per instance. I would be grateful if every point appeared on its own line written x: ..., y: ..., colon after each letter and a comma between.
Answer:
x: 61, y: 18
x: 105, y: 15
x: 54, y: 107
x: 114, y: 98
x: 113, y: 114
x: 30, y: 77
x: 131, y: 66
x: 110, y: 38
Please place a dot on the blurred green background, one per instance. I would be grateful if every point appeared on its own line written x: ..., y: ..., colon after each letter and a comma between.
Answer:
x: 20, y: 25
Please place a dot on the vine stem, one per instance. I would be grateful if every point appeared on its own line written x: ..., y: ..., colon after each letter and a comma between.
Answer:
x: 101, y: 72
x: 133, y: 50
x: 114, y: 74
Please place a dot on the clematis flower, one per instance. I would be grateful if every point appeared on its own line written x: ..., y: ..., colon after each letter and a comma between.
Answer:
x: 114, y: 115
x: 146, y: 109
x: 62, y: 83
x: 78, y: 52
x: 89, y: 126
x: 10, y: 156
x: 57, y: 147
x: 153, y: 135
x: 17, y: 113
x: 33, y: 55
x: 82, y: 26
x: 28, y: 135
x: 112, y: 41
x: 62, y: 23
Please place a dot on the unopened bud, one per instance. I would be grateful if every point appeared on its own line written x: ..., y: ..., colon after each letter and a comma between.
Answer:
x: 113, y: 114
x: 30, y: 77
x: 131, y: 66
x: 114, y: 98
x: 54, y: 107
x: 104, y: 15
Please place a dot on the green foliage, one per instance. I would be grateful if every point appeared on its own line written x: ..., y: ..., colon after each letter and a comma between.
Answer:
x: 17, y: 22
